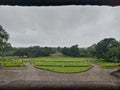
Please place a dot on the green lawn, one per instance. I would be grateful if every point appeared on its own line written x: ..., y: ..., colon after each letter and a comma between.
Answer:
x: 62, y: 64
x: 65, y: 69
x: 12, y: 63
x: 53, y: 63
x: 106, y: 64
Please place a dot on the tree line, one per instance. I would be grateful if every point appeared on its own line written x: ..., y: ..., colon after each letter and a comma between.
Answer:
x: 107, y: 49
x: 34, y: 51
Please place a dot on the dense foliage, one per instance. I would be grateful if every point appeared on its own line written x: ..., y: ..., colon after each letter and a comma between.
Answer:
x: 113, y: 54
x: 91, y: 51
x: 108, y: 49
x: 4, y: 36
x: 35, y: 51
x: 72, y: 51
x: 104, y: 45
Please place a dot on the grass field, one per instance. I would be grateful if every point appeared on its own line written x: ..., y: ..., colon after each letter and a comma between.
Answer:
x: 62, y: 64
x: 106, y: 64
x: 12, y: 63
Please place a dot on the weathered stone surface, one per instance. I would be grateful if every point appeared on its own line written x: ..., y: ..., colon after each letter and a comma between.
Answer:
x: 116, y: 73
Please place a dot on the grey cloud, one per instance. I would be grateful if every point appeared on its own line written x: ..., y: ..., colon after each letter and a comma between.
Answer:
x: 60, y: 26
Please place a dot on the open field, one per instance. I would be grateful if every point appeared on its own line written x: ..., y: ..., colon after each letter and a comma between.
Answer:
x: 106, y: 64
x: 62, y: 64
x: 54, y: 63
x: 12, y: 63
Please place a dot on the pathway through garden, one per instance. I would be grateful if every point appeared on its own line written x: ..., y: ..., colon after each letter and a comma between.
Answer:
x: 31, y: 73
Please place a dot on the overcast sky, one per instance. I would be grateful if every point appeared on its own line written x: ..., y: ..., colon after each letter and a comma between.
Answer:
x: 60, y: 26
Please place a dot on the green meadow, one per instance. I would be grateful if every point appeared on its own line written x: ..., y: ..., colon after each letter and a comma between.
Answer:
x: 61, y: 64
x: 106, y: 64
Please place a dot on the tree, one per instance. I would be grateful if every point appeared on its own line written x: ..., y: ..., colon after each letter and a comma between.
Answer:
x: 83, y: 52
x: 59, y: 49
x: 4, y: 36
x: 113, y: 54
x: 66, y: 51
x: 21, y: 52
x: 46, y: 51
x: 34, y: 51
x: 75, y: 51
x: 92, y: 50
x: 103, y: 46
x: 7, y: 49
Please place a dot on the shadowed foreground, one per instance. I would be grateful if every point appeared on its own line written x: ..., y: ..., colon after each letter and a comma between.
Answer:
x: 59, y: 85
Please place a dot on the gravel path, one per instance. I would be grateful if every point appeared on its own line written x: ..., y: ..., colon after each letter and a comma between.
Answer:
x: 31, y: 73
